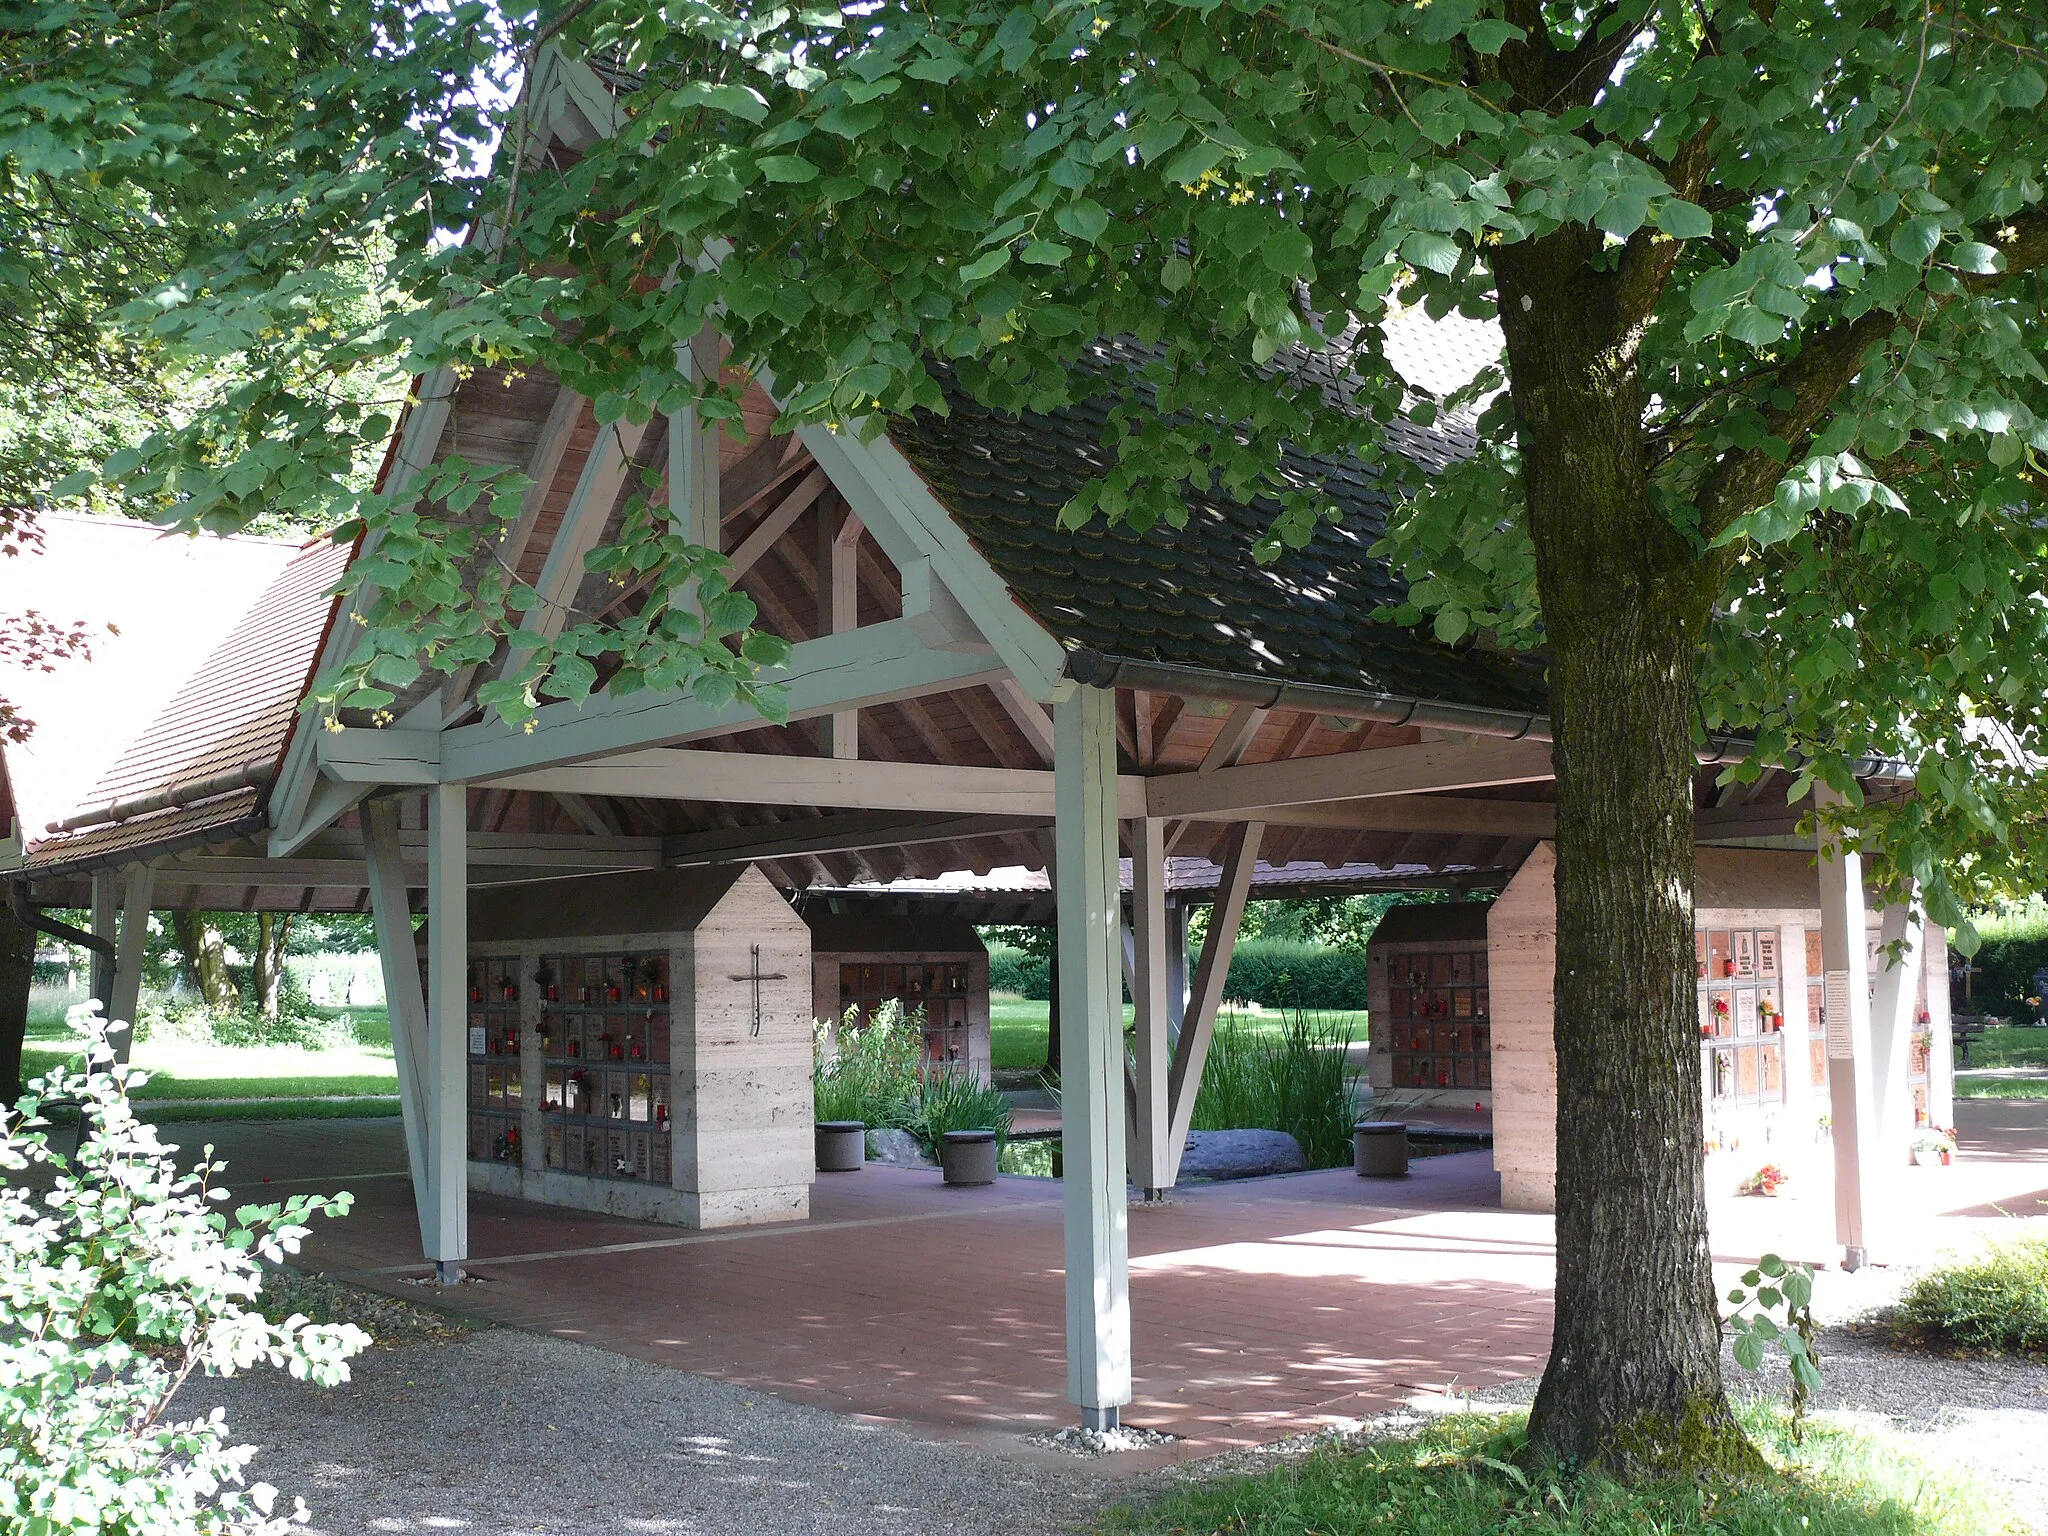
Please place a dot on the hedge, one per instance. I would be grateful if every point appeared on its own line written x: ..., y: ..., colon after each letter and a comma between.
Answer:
x: 2014, y: 948
x: 1274, y: 973
x: 1012, y: 970
x: 1286, y: 973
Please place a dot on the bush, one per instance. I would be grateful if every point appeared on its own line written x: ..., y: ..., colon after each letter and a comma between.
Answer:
x: 872, y: 1076
x: 879, y: 1077
x: 1274, y: 973
x: 1997, y: 1302
x: 120, y: 1275
x: 2015, y: 946
x: 949, y: 1099
x: 1287, y: 973
x: 1298, y: 1081
x: 1013, y: 970
x: 188, y: 1021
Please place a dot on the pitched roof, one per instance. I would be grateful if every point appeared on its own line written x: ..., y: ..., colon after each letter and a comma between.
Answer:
x: 1194, y: 597
x: 234, y: 713
x: 153, y: 605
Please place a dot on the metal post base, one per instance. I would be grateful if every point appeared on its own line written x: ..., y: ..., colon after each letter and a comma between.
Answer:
x: 1154, y: 1196
x: 1854, y: 1259
x: 1101, y: 1420
x: 448, y: 1271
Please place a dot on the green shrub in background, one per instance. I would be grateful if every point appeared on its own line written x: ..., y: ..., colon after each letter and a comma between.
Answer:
x: 1013, y: 970
x: 188, y: 1021
x: 1298, y: 1081
x: 120, y: 1275
x: 2015, y: 945
x: 1997, y: 1301
x: 1290, y: 974
x: 1274, y: 973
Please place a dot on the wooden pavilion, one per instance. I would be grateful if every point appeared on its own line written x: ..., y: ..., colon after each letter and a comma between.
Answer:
x: 970, y: 687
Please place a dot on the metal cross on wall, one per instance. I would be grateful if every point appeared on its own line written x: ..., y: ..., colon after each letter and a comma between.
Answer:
x: 753, y: 974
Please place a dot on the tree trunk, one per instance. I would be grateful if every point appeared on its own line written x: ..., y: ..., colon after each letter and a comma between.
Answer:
x: 1634, y: 1379
x: 17, y: 972
x: 203, y: 958
x: 272, y: 929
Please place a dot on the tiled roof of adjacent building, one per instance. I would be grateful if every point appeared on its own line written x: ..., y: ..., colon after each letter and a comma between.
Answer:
x: 236, y: 711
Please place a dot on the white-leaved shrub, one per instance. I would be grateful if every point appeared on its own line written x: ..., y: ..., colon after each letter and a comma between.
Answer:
x: 120, y: 1276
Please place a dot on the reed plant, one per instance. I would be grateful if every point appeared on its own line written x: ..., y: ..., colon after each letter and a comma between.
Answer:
x: 1296, y: 1080
x: 869, y: 1071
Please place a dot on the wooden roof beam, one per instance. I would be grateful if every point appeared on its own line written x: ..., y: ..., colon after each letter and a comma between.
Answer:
x: 753, y: 778
x: 852, y: 832
x: 1418, y: 769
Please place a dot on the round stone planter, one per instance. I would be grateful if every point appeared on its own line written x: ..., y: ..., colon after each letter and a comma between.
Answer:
x: 842, y: 1146
x: 1379, y: 1148
x: 968, y: 1157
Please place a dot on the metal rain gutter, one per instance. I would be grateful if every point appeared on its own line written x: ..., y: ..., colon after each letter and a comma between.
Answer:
x: 1095, y: 670
x: 175, y: 798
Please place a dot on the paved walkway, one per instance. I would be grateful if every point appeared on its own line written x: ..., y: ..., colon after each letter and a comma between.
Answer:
x: 1259, y: 1309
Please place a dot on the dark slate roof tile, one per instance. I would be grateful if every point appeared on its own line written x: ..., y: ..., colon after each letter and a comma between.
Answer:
x: 1194, y: 597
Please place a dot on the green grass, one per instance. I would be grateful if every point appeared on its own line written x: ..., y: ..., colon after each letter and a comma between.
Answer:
x: 1457, y: 1479
x: 2010, y: 1046
x: 1996, y: 1301
x: 1017, y: 1029
x: 273, y: 1109
x: 183, y: 1071
x: 2002, y: 1087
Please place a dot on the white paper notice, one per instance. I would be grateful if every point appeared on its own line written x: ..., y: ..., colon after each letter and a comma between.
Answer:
x: 1841, y: 1043
x: 476, y: 1040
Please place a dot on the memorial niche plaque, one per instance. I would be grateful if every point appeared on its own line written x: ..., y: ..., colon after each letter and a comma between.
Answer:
x: 1441, y: 1019
x: 1739, y: 1014
x: 603, y: 1035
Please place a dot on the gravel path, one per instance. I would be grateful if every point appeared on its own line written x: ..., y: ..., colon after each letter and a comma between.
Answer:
x: 504, y: 1432
x: 509, y: 1432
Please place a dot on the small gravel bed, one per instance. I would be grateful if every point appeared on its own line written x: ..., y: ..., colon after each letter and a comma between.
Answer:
x: 504, y: 1431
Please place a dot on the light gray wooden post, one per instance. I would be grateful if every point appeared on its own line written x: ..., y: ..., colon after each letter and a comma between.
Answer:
x: 1205, y: 996
x: 125, y: 992
x: 1892, y: 1006
x: 1092, y: 1057
x: 1176, y: 965
x: 1852, y: 1099
x: 105, y: 925
x: 1151, y: 996
x: 1941, y: 1058
x: 404, y: 1001
x: 448, y: 1028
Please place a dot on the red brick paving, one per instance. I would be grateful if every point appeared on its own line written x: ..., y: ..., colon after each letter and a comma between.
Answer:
x: 1259, y: 1309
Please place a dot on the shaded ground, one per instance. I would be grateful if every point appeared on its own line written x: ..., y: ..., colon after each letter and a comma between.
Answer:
x: 508, y: 1432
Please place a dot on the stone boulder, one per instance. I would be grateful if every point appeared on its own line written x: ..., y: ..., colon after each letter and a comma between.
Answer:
x: 1240, y: 1155
x: 897, y: 1149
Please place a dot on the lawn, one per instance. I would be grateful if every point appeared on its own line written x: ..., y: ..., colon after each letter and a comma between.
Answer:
x: 1018, y: 1027
x: 1458, y: 1478
x: 2010, y: 1045
x: 184, y: 1071
x: 1969, y: 1086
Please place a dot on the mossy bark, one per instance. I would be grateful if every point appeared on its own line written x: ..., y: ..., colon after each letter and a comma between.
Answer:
x: 1634, y: 1380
